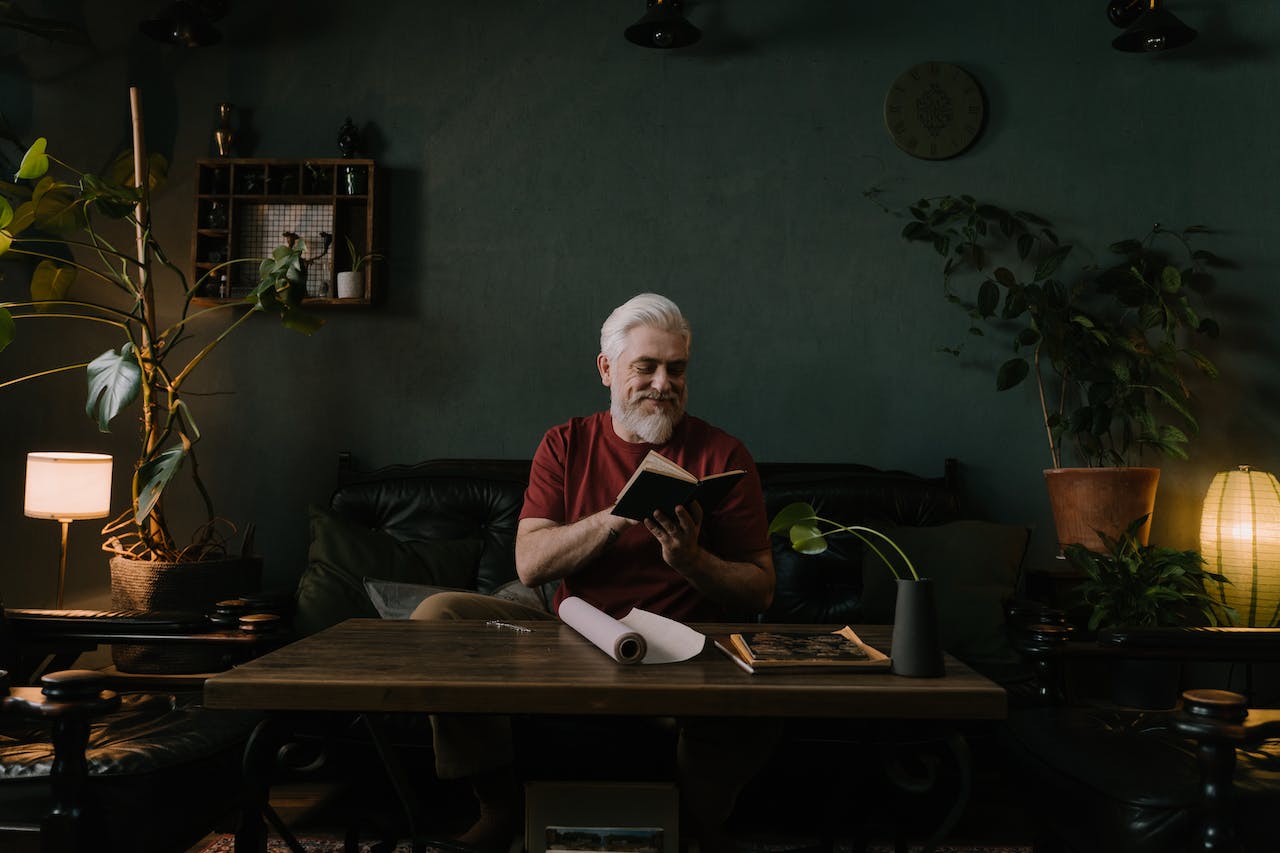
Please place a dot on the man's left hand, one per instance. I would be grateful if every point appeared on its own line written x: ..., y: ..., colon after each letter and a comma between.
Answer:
x: 679, y: 536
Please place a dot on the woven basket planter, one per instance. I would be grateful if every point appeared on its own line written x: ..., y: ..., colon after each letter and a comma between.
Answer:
x: 155, y: 585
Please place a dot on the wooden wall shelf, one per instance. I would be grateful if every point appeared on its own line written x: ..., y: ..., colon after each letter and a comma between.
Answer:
x: 243, y: 206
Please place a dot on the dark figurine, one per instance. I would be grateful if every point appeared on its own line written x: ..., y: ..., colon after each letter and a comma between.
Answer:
x: 348, y: 138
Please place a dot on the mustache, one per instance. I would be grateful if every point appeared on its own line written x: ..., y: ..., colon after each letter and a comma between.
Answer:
x: 655, y: 395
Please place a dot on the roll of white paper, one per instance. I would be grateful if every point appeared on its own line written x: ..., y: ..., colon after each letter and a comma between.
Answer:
x: 608, y: 634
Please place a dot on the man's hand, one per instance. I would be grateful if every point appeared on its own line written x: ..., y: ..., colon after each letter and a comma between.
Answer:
x: 679, y: 536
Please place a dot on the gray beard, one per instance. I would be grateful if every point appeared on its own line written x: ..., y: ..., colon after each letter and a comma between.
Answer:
x: 655, y: 428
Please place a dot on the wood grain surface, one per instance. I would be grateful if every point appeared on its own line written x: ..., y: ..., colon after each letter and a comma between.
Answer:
x: 472, y: 667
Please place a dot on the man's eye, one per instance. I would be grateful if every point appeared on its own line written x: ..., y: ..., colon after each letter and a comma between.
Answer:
x: 676, y: 370
x: 645, y: 368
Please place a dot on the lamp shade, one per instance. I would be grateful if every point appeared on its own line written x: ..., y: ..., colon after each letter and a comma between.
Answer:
x: 68, y: 486
x: 1240, y: 538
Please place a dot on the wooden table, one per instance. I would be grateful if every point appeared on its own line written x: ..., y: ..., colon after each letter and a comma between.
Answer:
x: 372, y: 665
x: 471, y: 667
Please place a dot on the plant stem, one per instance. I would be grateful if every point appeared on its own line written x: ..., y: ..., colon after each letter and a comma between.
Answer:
x: 857, y: 530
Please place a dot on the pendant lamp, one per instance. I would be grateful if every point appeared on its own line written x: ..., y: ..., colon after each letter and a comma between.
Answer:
x: 663, y: 26
x: 187, y: 22
x: 1240, y: 538
x: 1148, y: 26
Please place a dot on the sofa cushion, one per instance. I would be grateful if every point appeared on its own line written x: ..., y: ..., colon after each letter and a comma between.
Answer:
x: 974, y: 566
x: 343, y: 553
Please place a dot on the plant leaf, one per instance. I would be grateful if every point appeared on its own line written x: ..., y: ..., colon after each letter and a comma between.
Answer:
x: 988, y: 298
x: 791, y: 515
x: 6, y: 212
x: 1050, y: 264
x: 35, y: 163
x: 50, y: 282
x: 153, y: 476
x: 7, y: 328
x: 807, y: 539
x: 1011, y: 373
x: 114, y: 382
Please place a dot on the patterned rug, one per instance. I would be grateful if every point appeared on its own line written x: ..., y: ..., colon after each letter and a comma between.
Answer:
x: 226, y: 844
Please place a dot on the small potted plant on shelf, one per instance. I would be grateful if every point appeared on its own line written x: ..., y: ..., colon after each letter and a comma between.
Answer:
x: 69, y: 227
x: 1109, y: 347
x: 351, y: 282
x: 916, y: 649
x: 1136, y: 585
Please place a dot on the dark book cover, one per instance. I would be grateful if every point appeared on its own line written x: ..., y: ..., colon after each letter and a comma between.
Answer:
x: 659, y: 485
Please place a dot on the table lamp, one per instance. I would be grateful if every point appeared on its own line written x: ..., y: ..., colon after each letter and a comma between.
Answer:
x: 67, y: 487
x: 1240, y: 538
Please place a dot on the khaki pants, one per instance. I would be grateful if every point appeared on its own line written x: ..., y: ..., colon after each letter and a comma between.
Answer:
x: 715, y: 756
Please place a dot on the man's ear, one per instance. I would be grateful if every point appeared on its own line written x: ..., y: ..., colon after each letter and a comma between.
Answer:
x: 602, y: 364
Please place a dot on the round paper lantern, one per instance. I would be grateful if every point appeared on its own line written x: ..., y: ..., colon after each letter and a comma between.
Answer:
x: 1240, y: 538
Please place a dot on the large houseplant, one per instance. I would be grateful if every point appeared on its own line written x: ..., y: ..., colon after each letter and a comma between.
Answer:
x: 71, y: 226
x: 1108, y: 345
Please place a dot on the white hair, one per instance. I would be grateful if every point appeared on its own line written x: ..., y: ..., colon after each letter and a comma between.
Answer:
x: 646, y: 309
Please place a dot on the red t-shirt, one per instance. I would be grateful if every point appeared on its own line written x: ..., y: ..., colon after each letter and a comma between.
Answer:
x: 578, y: 470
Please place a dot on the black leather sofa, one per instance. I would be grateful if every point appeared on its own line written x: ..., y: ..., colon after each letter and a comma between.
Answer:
x: 478, y: 502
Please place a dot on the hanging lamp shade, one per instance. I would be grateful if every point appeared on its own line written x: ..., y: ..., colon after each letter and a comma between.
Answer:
x: 1149, y: 26
x: 1240, y: 538
x: 187, y: 22
x: 663, y: 26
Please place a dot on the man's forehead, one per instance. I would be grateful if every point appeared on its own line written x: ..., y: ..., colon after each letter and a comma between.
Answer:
x: 648, y: 343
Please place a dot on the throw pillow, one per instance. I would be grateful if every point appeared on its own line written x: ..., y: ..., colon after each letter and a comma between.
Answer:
x: 395, y: 600
x: 974, y: 566
x: 343, y: 553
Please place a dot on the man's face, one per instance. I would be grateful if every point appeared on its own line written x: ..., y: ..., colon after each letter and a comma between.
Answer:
x: 647, y: 384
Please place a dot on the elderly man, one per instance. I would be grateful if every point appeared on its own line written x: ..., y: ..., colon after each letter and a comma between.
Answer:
x: 695, y: 566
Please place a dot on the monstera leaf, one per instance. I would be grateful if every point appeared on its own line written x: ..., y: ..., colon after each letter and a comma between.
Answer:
x: 153, y: 476
x: 114, y: 381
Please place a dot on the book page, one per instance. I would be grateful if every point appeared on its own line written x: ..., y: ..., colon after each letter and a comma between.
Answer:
x: 655, y: 461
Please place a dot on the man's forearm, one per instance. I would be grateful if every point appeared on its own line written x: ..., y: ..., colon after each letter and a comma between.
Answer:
x: 744, y: 587
x: 546, y: 551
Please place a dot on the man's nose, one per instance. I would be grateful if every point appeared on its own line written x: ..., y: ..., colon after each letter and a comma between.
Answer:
x: 661, y: 380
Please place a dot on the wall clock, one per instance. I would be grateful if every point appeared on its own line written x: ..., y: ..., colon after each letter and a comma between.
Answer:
x: 934, y: 110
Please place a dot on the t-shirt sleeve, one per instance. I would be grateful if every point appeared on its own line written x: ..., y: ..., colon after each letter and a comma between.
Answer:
x: 544, y: 497
x: 740, y: 522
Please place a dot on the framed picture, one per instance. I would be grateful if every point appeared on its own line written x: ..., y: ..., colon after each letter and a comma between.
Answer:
x: 609, y: 817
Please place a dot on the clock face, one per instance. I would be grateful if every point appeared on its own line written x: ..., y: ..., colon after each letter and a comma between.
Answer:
x: 934, y: 110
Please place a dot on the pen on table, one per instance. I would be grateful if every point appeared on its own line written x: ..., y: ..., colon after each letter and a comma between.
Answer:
x: 739, y: 661
x: 499, y: 624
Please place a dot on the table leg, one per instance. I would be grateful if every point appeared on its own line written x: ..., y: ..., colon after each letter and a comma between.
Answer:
x: 259, y: 766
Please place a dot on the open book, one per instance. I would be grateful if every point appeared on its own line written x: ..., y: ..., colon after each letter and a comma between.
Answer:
x: 661, y: 485
x: 765, y: 651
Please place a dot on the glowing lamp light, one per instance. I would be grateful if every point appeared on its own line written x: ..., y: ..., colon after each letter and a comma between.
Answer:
x: 67, y: 487
x: 1240, y: 538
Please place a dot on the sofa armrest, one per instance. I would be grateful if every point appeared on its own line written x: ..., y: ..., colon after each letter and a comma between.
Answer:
x: 1219, y: 721
x: 69, y: 700
x: 1199, y: 643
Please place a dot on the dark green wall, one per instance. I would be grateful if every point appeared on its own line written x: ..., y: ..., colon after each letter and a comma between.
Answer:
x: 540, y: 169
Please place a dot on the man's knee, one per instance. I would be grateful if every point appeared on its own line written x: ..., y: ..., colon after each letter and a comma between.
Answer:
x: 452, y: 605
x: 474, y: 605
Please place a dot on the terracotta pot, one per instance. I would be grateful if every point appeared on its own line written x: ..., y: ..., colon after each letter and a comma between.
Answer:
x: 1086, y: 500
x: 156, y: 585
